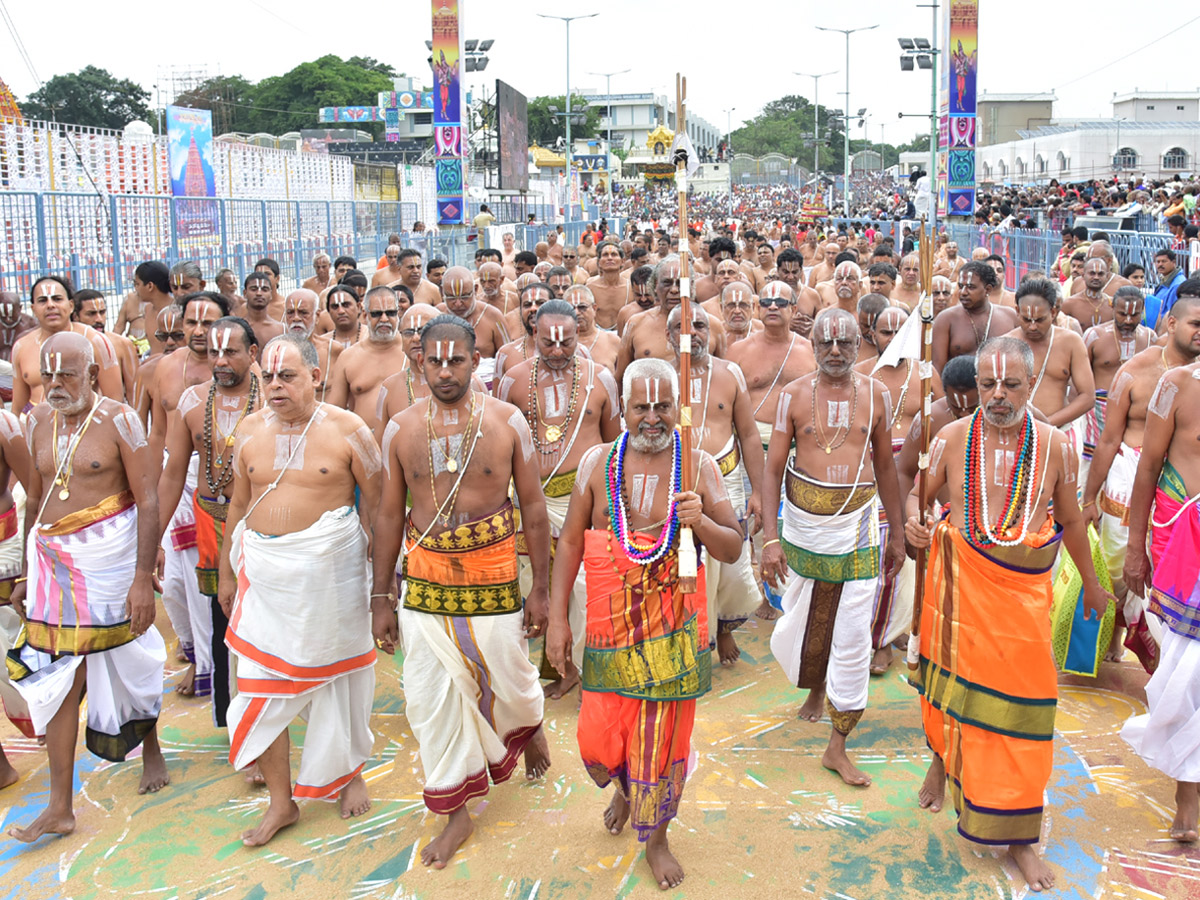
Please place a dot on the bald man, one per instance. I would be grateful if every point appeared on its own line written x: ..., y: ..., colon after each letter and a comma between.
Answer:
x: 823, y: 271
x: 363, y: 367
x: 300, y: 319
x: 458, y: 298
x: 844, y: 289
x: 494, y: 288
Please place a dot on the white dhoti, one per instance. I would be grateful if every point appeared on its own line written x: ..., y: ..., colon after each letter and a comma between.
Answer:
x: 1076, y: 431
x: 892, y: 608
x: 830, y: 537
x: 558, y: 497
x: 1168, y: 737
x: 12, y: 564
x: 774, y: 593
x: 472, y: 696
x: 190, y: 611
x: 80, y: 570
x: 732, y: 589
x: 301, y: 631
x: 486, y: 371
x: 1144, y: 633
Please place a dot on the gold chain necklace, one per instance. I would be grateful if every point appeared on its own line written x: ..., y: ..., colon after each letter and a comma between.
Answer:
x: 64, y: 467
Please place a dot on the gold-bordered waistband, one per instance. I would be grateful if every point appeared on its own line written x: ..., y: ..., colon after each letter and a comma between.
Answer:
x: 482, y: 532
x: 212, y: 507
x: 730, y: 460
x: 82, y: 518
x: 560, y: 485
x: 823, y: 499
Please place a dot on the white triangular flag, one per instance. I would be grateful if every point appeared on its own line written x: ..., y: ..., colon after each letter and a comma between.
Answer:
x: 683, y: 142
x: 905, y: 345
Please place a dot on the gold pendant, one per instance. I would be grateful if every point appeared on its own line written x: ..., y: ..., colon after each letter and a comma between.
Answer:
x: 229, y: 440
x: 828, y: 450
x: 452, y: 466
x: 553, y: 433
x: 64, y: 494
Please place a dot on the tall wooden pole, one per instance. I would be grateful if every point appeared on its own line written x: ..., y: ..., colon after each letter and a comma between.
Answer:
x: 687, y: 546
x: 925, y: 255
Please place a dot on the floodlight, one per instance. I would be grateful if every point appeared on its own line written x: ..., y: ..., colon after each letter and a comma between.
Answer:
x: 906, y: 43
x: 922, y: 43
x: 485, y: 46
x: 906, y: 64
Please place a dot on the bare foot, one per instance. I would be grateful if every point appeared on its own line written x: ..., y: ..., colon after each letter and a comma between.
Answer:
x: 932, y: 794
x: 1184, y: 829
x: 254, y: 776
x: 1116, y: 649
x: 836, y: 760
x: 354, y: 799
x: 8, y: 775
x: 155, y: 776
x: 814, y: 706
x: 767, y: 612
x: 186, y: 686
x: 445, y: 845
x: 882, y: 660
x: 616, y: 814
x: 1036, y: 873
x: 727, y: 649
x: 666, y: 869
x: 180, y: 653
x: 278, y: 817
x: 537, y: 756
x: 49, y: 822
x: 901, y: 643
x: 556, y: 690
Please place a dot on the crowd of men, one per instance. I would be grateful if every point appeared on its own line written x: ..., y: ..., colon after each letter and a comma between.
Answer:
x: 403, y: 455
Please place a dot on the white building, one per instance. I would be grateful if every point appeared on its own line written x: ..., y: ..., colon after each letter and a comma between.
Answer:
x: 630, y: 116
x: 1157, y: 106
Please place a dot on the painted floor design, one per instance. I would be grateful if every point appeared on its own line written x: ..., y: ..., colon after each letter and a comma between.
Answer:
x: 760, y: 817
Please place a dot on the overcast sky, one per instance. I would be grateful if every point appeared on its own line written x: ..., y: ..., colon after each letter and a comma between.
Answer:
x: 745, y: 62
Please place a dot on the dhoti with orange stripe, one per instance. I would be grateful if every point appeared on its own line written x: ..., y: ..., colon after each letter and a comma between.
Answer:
x: 80, y: 569
x: 646, y: 662
x: 472, y: 696
x: 301, y: 631
x: 988, y: 684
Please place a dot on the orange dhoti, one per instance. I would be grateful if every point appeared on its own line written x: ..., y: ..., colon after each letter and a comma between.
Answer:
x: 645, y: 663
x: 987, y: 679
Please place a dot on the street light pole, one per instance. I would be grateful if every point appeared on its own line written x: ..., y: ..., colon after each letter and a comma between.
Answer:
x: 729, y: 153
x: 608, y: 147
x: 570, y: 173
x: 846, y: 132
x: 816, y: 118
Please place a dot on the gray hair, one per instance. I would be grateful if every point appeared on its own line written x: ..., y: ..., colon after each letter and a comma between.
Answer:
x: 308, y: 353
x: 677, y: 313
x: 649, y: 367
x: 187, y: 269
x: 224, y: 272
x: 1006, y: 346
x: 580, y: 289
x: 322, y: 256
x: 666, y: 260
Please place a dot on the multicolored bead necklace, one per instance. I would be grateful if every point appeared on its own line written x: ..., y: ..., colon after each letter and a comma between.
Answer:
x: 1019, y: 502
x: 618, y: 515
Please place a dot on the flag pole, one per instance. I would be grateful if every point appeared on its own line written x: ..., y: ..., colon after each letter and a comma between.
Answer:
x: 925, y: 255
x: 687, y: 545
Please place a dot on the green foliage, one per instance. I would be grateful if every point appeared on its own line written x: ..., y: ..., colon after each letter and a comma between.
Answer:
x: 231, y: 99
x: 92, y: 97
x: 545, y: 130
x: 290, y: 101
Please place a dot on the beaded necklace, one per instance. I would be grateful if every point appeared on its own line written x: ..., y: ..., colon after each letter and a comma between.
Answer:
x: 555, y: 434
x: 618, y: 514
x: 1018, y: 502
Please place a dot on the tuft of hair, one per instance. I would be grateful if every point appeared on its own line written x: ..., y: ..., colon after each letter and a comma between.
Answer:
x: 308, y: 353
x: 649, y: 367
x: 1006, y: 346
x: 1129, y: 293
x: 237, y: 322
x: 1042, y: 288
x: 448, y: 322
x: 959, y: 373
x: 217, y: 300
x: 556, y: 308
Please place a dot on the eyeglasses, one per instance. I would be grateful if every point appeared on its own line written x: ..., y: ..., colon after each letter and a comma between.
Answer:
x: 380, y: 313
x: 582, y: 307
x: 162, y: 336
x: 768, y: 302
x: 410, y: 332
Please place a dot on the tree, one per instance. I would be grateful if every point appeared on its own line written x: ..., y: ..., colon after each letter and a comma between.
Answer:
x: 91, y: 97
x: 231, y: 99
x: 786, y: 126
x: 545, y: 130
x: 372, y: 65
x: 290, y: 101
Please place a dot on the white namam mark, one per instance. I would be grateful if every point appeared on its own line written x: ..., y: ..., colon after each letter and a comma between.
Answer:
x: 1127, y: 349
x: 275, y: 359
x: 389, y: 433
x: 362, y: 444
x: 935, y: 454
x: 587, y: 465
x: 10, y: 425
x: 506, y: 384
x: 443, y: 449
x: 697, y: 389
x: 46, y: 288
x: 381, y: 401
x: 1002, y: 467
x: 554, y: 400
x: 130, y: 428
x: 518, y: 424
x: 641, y: 496
x: 837, y: 474
x: 781, y: 412
x: 1164, y: 396
x: 1069, y: 467
x: 449, y: 416
x: 289, y: 451
x: 557, y: 334
x: 712, y: 481
x: 1118, y: 389
x: 838, y: 414
x: 188, y: 401
x: 227, y: 420
x: 887, y: 409
x: 30, y: 425
x: 610, y: 386
x: 739, y: 377
x: 219, y: 341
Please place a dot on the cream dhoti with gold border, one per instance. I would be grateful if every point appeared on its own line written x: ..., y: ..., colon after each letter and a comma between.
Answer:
x: 557, y: 490
x: 189, y: 610
x: 830, y: 537
x: 891, y: 614
x: 732, y: 589
x: 301, y: 630
x: 1076, y: 431
x: 80, y: 569
x: 1144, y: 633
x: 472, y: 695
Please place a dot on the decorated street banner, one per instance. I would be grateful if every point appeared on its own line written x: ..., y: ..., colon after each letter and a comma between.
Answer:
x: 960, y: 66
x: 448, y: 109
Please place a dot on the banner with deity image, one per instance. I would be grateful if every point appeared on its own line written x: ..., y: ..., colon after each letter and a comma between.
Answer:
x: 960, y: 65
x: 448, y: 110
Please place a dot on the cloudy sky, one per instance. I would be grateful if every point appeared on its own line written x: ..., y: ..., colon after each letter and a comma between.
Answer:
x: 1084, y: 53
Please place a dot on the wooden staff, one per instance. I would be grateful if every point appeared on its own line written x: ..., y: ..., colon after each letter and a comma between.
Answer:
x: 925, y: 256
x: 687, y: 546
